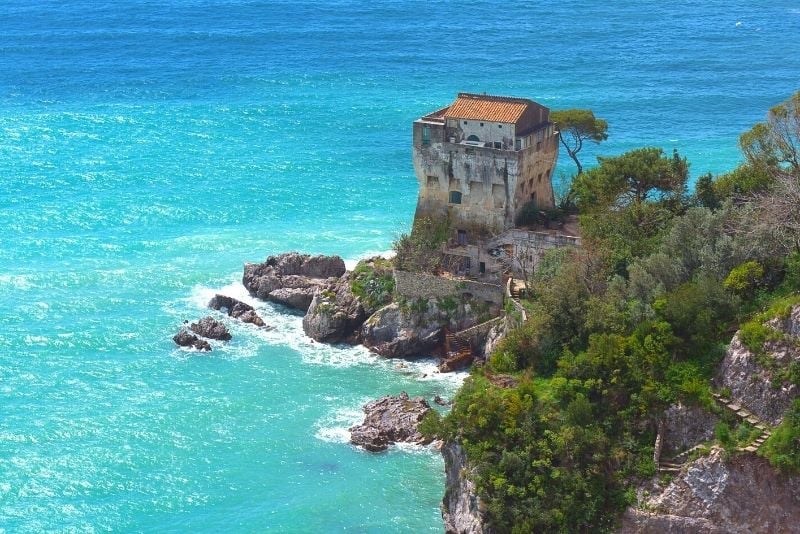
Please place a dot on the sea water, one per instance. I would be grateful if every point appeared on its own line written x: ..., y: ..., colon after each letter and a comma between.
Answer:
x: 148, y: 150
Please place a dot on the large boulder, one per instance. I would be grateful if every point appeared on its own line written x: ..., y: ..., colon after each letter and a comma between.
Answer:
x: 184, y: 338
x: 335, y: 314
x: 395, y: 333
x: 391, y: 420
x: 210, y: 328
x: 303, y: 274
x: 236, y: 309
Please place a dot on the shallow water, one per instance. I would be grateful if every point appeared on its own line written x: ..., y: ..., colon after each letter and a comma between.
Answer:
x: 147, y: 151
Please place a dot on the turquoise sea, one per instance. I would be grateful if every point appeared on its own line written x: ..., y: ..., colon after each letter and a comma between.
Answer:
x: 148, y: 149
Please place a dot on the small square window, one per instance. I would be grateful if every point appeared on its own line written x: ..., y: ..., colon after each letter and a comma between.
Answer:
x: 481, y: 124
x: 455, y: 197
x: 499, y: 125
x: 465, y: 123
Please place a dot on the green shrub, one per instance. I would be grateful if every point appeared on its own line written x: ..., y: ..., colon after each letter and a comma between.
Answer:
x: 782, y: 449
x: 431, y: 424
x: 744, y: 279
x: 373, y: 282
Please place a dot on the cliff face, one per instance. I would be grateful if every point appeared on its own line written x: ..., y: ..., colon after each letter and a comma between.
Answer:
x: 460, y: 506
x: 752, y: 378
x: 743, y: 494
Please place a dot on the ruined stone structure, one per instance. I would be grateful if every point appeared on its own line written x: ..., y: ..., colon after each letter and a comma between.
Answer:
x: 479, y: 162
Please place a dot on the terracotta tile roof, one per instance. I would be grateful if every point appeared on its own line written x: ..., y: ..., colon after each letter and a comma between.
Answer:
x: 487, y: 107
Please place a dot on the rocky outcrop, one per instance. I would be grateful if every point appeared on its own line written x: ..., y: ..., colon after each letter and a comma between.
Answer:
x: 751, y: 382
x: 292, y: 279
x: 390, y: 420
x: 394, y: 333
x: 742, y: 494
x: 685, y: 427
x: 461, y: 509
x: 236, y: 309
x: 335, y: 314
x: 184, y: 338
x: 210, y: 328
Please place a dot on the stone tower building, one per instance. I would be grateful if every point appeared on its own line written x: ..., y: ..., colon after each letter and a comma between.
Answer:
x: 479, y: 162
x: 481, y: 159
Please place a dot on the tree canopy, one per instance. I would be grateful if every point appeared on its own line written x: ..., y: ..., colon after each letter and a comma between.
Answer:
x: 776, y: 142
x: 577, y: 126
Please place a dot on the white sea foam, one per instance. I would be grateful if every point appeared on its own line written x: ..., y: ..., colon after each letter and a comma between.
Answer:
x: 17, y: 281
x: 287, y: 330
x: 333, y: 428
x: 350, y: 263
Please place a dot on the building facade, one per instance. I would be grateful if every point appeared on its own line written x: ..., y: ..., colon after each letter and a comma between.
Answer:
x: 479, y: 162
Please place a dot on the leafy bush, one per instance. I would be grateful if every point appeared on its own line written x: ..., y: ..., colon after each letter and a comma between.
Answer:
x: 744, y: 279
x: 373, y: 282
x: 420, y: 251
x: 782, y: 449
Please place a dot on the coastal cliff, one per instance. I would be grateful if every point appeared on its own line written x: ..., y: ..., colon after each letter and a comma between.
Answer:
x: 716, y: 494
x: 461, y: 509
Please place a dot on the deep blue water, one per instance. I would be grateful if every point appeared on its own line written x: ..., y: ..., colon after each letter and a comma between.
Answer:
x: 147, y: 151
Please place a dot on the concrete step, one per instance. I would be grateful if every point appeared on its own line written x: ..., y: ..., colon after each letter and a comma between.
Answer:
x: 753, y: 420
x: 744, y: 414
x: 733, y: 407
x: 669, y: 469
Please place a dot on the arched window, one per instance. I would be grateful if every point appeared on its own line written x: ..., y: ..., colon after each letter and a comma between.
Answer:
x: 455, y: 197
x: 473, y: 138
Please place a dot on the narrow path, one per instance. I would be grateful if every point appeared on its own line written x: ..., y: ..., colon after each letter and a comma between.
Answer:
x: 675, y: 464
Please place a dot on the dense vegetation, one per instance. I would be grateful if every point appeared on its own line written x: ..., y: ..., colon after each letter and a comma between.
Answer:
x: 635, y: 320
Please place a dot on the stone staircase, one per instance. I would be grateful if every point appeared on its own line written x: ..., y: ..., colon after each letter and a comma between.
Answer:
x: 458, y: 353
x: 745, y: 415
x: 675, y: 464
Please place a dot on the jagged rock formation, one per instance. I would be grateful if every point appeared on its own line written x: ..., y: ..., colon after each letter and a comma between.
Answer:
x: 184, y: 338
x: 461, y: 505
x: 393, y: 333
x: 335, y: 314
x: 210, y: 328
x: 390, y: 420
x: 236, y: 309
x: 685, y: 427
x: 751, y: 383
x: 292, y: 279
x: 742, y: 494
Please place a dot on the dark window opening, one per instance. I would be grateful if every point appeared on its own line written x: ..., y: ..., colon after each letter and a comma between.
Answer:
x: 482, y: 267
x: 499, y: 125
x: 462, y: 237
x: 473, y: 138
x: 497, y: 144
x: 481, y: 124
x: 533, y: 197
x: 426, y: 135
x: 539, y: 179
x: 465, y: 122
x: 455, y: 197
x: 518, y: 144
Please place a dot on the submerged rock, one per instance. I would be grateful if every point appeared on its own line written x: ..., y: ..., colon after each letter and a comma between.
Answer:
x: 184, y: 338
x: 390, y: 420
x: 211, y: 328
x: 236, y: 309
x: 291, y: 279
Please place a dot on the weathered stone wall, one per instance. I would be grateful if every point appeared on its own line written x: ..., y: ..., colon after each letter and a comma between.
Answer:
x: 493, y: 183
x: 427, y: 286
